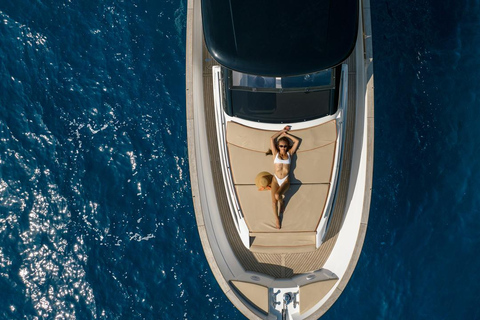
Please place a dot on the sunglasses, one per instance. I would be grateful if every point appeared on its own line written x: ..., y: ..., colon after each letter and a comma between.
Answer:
x: 282, y: 146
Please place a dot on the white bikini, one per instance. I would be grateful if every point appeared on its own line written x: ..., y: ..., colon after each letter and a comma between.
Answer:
x: 278, y: 160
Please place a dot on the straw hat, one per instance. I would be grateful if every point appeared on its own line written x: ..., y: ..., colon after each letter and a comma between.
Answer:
x: 263, y: 181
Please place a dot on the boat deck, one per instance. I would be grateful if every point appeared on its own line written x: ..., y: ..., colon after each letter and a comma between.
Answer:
x: 306, y: 198
x: 279, y: 265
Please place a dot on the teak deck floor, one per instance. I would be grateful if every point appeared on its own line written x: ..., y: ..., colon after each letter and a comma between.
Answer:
x: 279, y: 265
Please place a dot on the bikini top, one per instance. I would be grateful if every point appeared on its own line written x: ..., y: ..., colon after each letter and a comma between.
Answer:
x: 278, y: 160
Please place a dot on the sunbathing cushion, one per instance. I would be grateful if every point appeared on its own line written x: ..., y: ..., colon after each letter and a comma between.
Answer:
x: 283, y: 242
x: 303, y: 210
x: 259, y: 140
x: 313, y: 166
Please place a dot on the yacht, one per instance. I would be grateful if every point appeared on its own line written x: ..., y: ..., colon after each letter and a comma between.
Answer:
x: 253, y: 68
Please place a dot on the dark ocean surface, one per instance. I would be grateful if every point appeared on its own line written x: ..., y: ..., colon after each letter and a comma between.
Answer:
x: 96, y: 219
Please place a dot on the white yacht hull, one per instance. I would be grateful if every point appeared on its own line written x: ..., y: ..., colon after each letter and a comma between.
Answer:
x: 258, y: 295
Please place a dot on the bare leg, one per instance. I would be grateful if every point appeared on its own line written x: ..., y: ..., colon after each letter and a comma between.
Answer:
x: 280, y: 194
x: 274, y: 202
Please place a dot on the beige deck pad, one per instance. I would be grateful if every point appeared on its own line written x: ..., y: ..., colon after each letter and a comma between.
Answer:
x: 311, y: 294
x: 256, y: 294
x: 284, y: 242
x: 259, y: 140
x: 312, y: 166
x: 310, y: 177
x: 304, y: 207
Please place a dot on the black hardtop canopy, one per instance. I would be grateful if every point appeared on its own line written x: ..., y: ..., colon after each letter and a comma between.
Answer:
x: 280, y: 37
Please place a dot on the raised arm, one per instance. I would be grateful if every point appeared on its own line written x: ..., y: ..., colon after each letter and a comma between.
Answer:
x: 295, y: 140
x: 273, y: 140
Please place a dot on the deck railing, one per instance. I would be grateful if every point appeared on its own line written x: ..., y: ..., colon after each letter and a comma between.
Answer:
x: 235, y: 208
x: 340, y: 120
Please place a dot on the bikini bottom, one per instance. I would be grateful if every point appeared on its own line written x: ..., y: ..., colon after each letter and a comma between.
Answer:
x: 280, y: 181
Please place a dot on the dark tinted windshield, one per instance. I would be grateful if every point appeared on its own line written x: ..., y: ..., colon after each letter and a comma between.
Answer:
x: 246, y: 81
x: 277, y: 100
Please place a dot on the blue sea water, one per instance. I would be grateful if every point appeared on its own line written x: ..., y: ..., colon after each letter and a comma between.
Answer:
x: 96, y: 220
